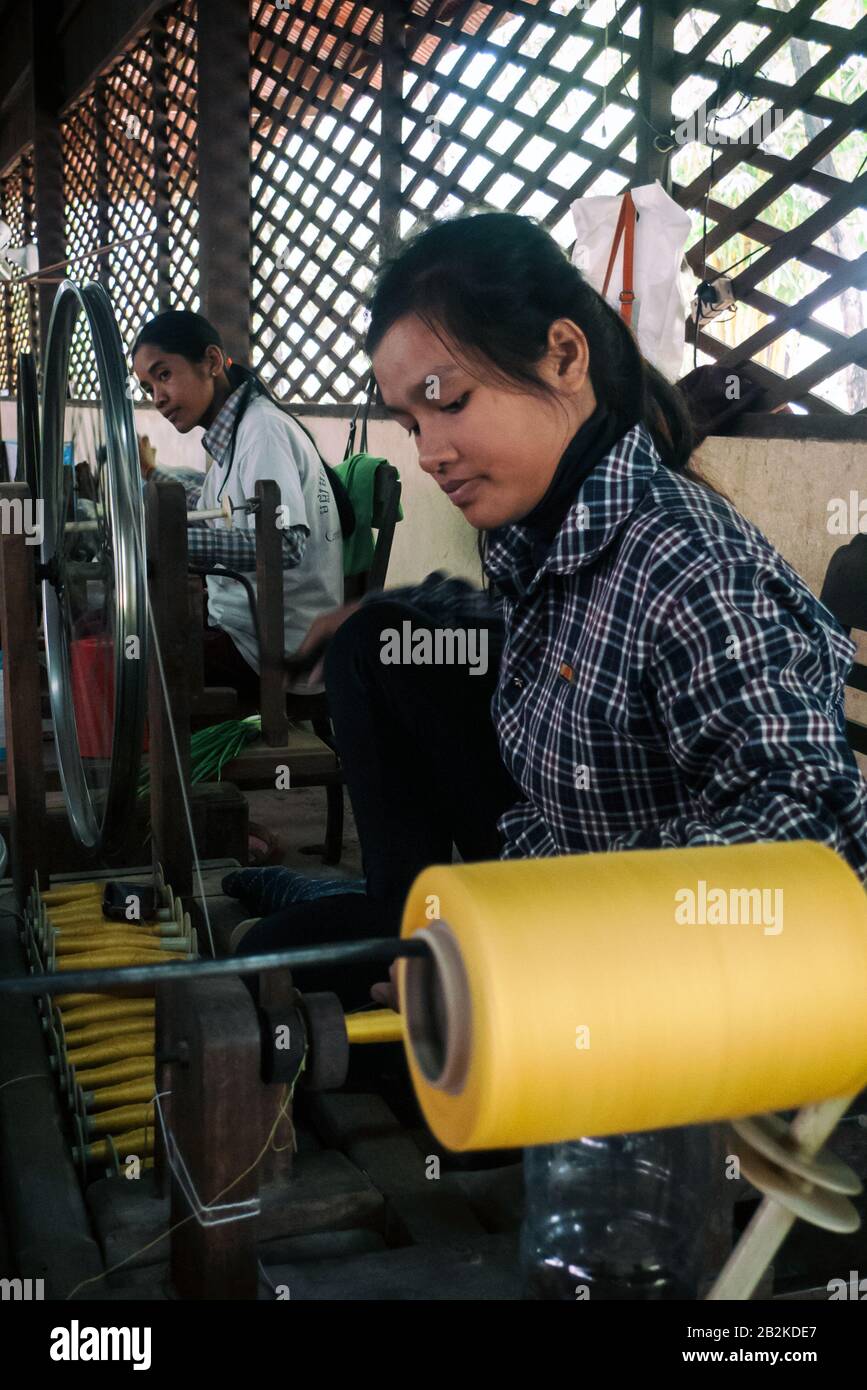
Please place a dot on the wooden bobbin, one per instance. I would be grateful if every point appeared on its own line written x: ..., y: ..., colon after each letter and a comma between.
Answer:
x: 828, y: 1210
x: 117, y: 941
x: 139, y: 1142
x: 31, y: 949
x: 69, y: 892
x: 139, y: 1092
x: 105, y: 1153
x: 44, y: 1004
x: 113, y: 1168
x: 112, y: 1030
x: 57, y: 1043
x: 110, y: 1010
x: 79, y: 1149
x: 137, y: 1045
x: 55, y: 1054
x: 75, y: 1001
x: 113, y: 1073
x: 38, y: 928
x: 97, y: 960
x: 799, y: 1176
x: 771, y: 1138
x: 119, y: 1119
x: 77, y: 1105
x: 164, y: 890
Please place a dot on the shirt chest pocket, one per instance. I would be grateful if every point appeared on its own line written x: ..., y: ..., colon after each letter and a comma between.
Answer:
x: 589, y: 718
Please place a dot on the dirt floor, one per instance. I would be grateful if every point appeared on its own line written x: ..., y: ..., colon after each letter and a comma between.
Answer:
x: 296, y: 819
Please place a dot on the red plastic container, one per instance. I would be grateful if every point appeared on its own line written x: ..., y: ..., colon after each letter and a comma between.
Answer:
x: 92, y: 662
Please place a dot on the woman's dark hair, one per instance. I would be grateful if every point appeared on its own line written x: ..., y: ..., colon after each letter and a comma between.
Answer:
x: 494, y: 282
x: 190, y: 335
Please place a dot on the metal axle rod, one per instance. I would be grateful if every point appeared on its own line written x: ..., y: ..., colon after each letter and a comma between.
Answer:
x: 92, y: 981
x: 226, y: 511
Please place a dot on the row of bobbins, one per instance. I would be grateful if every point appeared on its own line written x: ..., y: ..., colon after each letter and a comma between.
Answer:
x: 102, y: 1045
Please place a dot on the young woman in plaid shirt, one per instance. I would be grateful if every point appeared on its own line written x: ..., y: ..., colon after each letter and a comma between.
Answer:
x: 659, y: 676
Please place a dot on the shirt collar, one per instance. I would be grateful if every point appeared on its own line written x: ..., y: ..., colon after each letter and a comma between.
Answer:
x: 604, y: 502
x: 218, y: 437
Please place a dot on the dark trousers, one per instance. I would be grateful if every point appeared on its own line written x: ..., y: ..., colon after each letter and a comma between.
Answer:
x: 423, y: 770
x: 225, y: 666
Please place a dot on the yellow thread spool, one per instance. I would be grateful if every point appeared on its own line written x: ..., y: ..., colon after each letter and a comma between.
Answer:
x: 83, y: 910
x: 72, y: 892
x: 140, y: 1045
x: 104, y: 1031
x: 139, y: 1142
x: 124, y: 1118
x: 109, y: 1074
x: 93, y: 960
x: 83, y: 1014
x: 127, y: 1093
x: 95, y: 925
x: 568, y: 1000
x: 374, y: 1026
x: 88, y: 914
x: 75, y: 1001
x: 149, y: 930
x: 115, y: 941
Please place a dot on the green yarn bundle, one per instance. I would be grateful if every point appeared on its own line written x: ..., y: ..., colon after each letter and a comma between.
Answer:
x: 212, y: 748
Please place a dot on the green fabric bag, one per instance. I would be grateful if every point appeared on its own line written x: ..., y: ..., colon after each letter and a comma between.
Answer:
x: 357, y: 472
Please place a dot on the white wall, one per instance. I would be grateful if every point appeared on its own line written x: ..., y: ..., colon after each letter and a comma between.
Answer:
x: 783, y: 486
x: 433, y: 535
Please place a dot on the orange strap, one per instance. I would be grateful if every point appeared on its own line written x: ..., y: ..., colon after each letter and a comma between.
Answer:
x: 625, y: 223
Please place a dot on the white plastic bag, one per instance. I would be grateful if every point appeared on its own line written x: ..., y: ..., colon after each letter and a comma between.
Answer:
x: 661, y: 304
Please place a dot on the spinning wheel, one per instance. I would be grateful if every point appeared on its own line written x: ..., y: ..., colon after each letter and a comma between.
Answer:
x: 93, y: 591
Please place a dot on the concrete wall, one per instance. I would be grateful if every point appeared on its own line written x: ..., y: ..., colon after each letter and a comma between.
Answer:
x: 433, y: 535
x: 783, y: 486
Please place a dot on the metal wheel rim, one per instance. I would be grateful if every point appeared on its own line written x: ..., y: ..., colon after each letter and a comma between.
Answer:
x: 94, y: 830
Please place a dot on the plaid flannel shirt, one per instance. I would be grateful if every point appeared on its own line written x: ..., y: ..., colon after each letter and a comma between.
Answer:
x: 666, y: 678
x: 211, y: 542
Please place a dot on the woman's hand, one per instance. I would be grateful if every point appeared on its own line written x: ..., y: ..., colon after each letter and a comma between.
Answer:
x: 310, y: 657
x: 147, y: 456
x: 386, y: 994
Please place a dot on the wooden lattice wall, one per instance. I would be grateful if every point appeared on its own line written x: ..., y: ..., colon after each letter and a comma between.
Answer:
x: 367, y: 118
x: 130, y: 174
x: 18, y: 310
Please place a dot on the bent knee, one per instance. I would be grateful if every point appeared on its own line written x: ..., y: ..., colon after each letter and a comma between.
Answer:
x: 359, y: 640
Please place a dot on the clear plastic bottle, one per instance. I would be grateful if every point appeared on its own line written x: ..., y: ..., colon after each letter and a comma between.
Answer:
x: 621, y: 1217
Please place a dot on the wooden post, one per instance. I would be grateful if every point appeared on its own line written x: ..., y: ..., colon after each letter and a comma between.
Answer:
x: 166, y: 516
x: 196, y: 648
x: 47, y: 87
x: 223, y: 37
x: 21, y: 694
x: 275, y: 991
x: 269, y: 601
x: 216, y: 1124
x: 101, y: 269
x: 655, y: 60
x: 162, y: 158
x: 394, y: 22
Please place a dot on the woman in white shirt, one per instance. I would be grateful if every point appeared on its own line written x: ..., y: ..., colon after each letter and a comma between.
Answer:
x: 179, y: 358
